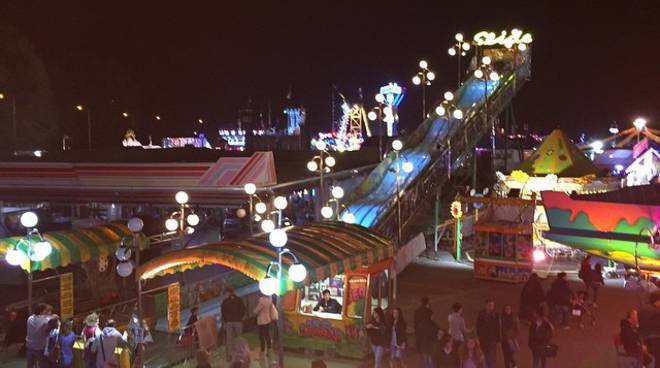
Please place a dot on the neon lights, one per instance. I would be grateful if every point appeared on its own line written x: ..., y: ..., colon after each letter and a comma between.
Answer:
x: 516, y: 37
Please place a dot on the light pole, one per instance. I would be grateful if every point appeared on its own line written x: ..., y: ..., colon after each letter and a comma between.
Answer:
x: 89, y: 123
x: 459, y: 49
x: 14, y: 122
x: 192, y: 219
x: 321, y: 163
x: 32, y: 253
x: 124, y: 269
x: 269, y: 285
x: 423, y: 77
x: 486, y: 72
x: 327, y: 212
x: 407, y: 167
x: 652, y: 242
x: 448, y: 108
x: 639, y: 124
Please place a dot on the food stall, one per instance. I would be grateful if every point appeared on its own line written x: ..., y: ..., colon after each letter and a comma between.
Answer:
x: 503, y: 240
x: 350, y: 261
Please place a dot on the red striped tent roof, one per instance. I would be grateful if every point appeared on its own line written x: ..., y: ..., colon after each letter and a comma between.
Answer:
x: 72, y: 246
x: 325, y: 248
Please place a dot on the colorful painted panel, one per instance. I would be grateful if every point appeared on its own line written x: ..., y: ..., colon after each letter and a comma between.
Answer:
x: 607, y: 229
x: 345, y: 337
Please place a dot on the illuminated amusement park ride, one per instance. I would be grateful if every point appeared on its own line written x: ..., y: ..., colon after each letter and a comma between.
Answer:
x: 354, y: 122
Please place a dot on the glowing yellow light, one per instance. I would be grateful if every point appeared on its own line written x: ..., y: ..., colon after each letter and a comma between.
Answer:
x: 486, y: 38
x: 451, y: 51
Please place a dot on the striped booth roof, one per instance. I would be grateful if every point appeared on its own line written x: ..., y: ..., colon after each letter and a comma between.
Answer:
x: 325, y: 248
x: 72, y: 246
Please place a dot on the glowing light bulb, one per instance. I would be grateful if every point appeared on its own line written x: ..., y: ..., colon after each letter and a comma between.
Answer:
x: 430, y: 76
x: 171, y: 224
x: 457, y: 114
x: 440, y: 110
x: 267, y: 225
x: 280, y: 202
x: 327, y: 212
x: 372, y: 115
x: 297, y: 272
x: 192, y: 219
x: 330, y: 161
x: 260, y: 208
x: 397, y: 145
x: 338, y: 192
x: 29, y: 220
x: 417, y: 80
x: 250, y: 188
x: 181, y: 197
x: 459, y: 37
x: 278, y: 238
x: 451, y: 51
x: 478, y: 74
x: 486, y: 60
x: 348, y: 218
x: 423, y: 64
x: 268, y: 285
x: 312, y: 166
x: 449, y: 96
x: 407, y: 167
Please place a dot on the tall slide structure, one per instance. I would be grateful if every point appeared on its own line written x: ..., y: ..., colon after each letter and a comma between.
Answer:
x: 441, y: 143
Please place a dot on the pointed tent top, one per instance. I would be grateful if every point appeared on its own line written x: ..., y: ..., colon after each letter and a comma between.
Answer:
x: 558, y: 155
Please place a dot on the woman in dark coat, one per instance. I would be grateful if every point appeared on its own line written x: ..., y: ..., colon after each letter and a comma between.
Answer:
x: 396, y: 328
x: 531, y: 297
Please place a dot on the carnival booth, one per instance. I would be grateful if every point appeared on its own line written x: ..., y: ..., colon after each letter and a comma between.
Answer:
x: 503, y: 240
x: 557, y: 165
x: 350, y: 261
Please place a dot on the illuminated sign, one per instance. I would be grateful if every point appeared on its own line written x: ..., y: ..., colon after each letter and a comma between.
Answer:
x: 516, y: 37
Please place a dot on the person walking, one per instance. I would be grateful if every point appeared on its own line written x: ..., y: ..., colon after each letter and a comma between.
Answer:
x: 397, y: 329
x: 586, y: 273
x: 233, y: 312
x: 510, y: 328
x: 471, y: 355
x: 596, y: 282
x: 89, y: 334
x: 107, y: 342
x: 488, y: 331
x: 428, y: 337
x: 266, y: 314
x: 377, y: 333
x: 53, y: 350
x: 540, y: 334
x: 457, y: 329
x: 559, y: 299
x: 37, y: 332
x: 67, y: 339
x: 531, y: 297
x: 422, y: 314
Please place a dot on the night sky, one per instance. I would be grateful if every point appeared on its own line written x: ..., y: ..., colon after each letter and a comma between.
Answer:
x: 592, y: 64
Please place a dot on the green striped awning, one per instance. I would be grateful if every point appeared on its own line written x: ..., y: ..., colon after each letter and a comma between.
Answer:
x: 325, y: 248
x: 72, y: 246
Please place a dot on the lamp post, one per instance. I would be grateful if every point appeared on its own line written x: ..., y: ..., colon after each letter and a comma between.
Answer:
x: 89, y: 123
x: 269, y: 285
x: 328, y: 212
x: 124, y: 269
x: 32, y: 253
x: 486, y: 72
x: 423, y: 77
x: 321, y: 163
x: 652, y: 242
x: 639, y: 124
x: 14, y: 122
x: 192, y: 219
x: 407, y: 167
x: 459, y: 49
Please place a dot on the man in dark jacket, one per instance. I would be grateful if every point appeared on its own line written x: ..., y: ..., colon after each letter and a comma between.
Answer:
x: 427, y: 335
x: 488, y: 331
x: 327, y: 304
x: 559, y: 298
x: 422, y: 314
x: 540, y: 334
x: 233, y: 311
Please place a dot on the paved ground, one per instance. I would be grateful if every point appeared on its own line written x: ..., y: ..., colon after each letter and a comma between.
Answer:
x: 447, y: 282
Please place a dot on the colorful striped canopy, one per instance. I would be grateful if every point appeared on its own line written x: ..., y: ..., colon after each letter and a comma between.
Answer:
x: 325, y: 248
x: 72, y: 246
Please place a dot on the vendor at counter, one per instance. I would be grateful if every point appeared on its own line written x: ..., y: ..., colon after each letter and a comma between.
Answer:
x: 327, y: 304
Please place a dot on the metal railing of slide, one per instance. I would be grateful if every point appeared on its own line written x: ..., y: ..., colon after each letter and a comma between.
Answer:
x: 460, y: 144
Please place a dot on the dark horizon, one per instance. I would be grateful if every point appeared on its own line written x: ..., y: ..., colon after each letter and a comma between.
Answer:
x: 591, y: 65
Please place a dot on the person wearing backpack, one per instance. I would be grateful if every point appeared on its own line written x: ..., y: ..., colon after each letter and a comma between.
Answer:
x: 52, y: 351
x: 106, y: 344
x: 90, y: 333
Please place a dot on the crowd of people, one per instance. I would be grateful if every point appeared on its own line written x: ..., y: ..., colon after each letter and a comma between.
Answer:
x: 456, y: 345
